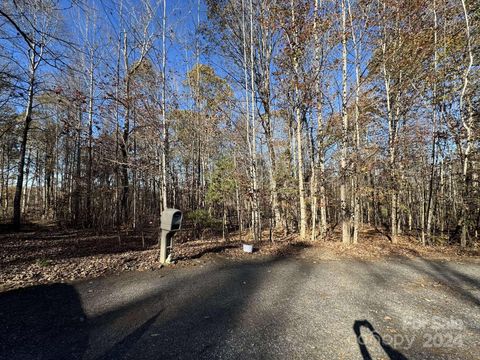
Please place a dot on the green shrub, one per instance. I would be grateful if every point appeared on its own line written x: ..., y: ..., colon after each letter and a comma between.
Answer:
x: 203, y: 220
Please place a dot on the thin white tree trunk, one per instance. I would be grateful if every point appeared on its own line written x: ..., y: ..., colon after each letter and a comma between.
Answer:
x: 356, y: 178
x: 90, y: 140
x: 345, y: 218
x: 391, y: 135
x: 298, y: 121
x: 319, y: 167
x: 467, y: 121
x: 164, y: 105
x: 430, y: 200
x: 256, y: 209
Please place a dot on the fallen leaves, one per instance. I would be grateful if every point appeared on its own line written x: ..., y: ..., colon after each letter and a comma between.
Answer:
x: 58, y: 256
x: 66, y: 255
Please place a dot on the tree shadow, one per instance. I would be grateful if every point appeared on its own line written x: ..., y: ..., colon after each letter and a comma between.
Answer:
x: 27, y: 227
x: 121, y: 348
x: 390, y: 351
x: 207, y: 249
x: 443, y: 273
x: 199, y: 249
x: 292, y: 249
x: 207, y: 315
x: 200, y: 313
x: 178, y: 316
x: 197, y: 317
x: 42, y: 322
x: 57, y: 245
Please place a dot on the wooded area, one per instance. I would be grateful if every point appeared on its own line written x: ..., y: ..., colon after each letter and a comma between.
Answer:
x: 300, y: 116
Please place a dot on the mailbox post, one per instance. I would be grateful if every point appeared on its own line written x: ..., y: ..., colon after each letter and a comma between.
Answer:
x: 170, y: 222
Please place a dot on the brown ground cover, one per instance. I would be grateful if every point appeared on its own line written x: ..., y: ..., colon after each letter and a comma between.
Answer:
x: 47, y: 254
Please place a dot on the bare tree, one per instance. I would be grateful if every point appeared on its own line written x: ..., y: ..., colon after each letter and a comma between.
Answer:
x: 30, y: 22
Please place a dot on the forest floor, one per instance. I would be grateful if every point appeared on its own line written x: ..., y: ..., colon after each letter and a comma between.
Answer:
x: 42, y: 255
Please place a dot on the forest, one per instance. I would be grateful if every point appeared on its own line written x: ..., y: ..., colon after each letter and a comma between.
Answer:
x: 316, y: 118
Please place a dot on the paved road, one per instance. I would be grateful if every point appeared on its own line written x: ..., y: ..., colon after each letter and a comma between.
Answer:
x: 271, y: 309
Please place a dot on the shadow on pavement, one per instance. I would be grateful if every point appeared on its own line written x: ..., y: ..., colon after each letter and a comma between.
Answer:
x: 458, y: 282
x: 231, y: 310
x: 122, y: 347
x: 196, y: 316
x: 42, y: 322
x: 390, y: 351
x: 199, y: 317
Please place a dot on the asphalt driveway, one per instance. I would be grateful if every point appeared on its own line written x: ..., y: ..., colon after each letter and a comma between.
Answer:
x: 270, y: 309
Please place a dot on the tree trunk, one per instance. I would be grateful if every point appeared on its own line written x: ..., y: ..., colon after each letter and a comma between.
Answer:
x: 345, y: 218
x: 90, y: 146
x: 467, y: 121
x: 124, y: 145
x: 298, y: 121
x: 356, y: 178
x: 164, y: 104
x: 17, y: 201
x: 272, y: 170
x: 319, y: 167
x: 256, y: 206
x: 78, y: 155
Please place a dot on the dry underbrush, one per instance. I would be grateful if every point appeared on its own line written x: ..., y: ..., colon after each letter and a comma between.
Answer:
x: 49, y: 255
